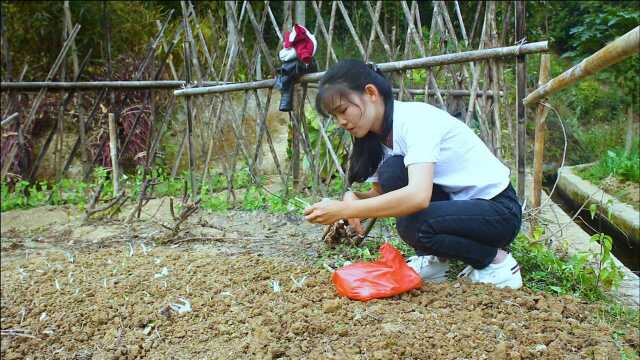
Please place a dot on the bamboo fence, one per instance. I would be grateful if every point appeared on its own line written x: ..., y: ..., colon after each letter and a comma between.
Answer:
x: 445, y: 63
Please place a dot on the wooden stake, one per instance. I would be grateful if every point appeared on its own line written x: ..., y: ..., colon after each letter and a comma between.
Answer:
x: 192, y: 160
x: 113, y: 147
x: 538, y: 150
x: 521, y: 90
x: 628, y: 140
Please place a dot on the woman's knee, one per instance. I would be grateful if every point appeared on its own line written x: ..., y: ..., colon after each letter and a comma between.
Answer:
x: 411, y: 230
x: 407, y: 230
x: 392, y: 174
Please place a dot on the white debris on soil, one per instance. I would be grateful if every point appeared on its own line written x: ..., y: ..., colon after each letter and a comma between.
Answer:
x: 163, y: 273
x: 183, y: 308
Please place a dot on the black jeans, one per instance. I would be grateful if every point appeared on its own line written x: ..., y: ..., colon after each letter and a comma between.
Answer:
x: 468, y: 230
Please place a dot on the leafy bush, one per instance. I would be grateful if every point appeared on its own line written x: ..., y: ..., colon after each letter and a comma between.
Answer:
x: 543, y: 270
x: 24, y: 195
x: 617, y: 163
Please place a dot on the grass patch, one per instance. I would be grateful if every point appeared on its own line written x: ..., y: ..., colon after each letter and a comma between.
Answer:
x: 625, y: 167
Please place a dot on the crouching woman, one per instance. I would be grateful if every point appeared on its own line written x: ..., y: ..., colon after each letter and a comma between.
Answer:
x: 451, y: 196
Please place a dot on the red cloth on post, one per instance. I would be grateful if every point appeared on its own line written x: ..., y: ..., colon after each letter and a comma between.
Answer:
x: 301, y: 40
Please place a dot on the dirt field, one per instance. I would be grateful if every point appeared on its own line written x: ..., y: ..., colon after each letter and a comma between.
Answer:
x: 251, y: 290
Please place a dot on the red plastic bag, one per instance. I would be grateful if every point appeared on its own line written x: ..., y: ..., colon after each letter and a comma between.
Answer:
x: 388, y: 276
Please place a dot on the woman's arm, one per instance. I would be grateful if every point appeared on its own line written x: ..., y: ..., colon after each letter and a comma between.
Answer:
x: 407, y: 200
x: 373, y: 192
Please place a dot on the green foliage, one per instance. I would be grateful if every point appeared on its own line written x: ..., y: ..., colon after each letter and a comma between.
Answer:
x: 214, y: 203
x: 594, y: 115
x: 543, y: 270
x: 26, y: 196
x: 618, y: 314
x: 581, y: 28
x: 40, y: 22
x: 368, y: 249
x: 625, y: 167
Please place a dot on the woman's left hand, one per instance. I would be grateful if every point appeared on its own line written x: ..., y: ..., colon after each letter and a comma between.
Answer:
x: 325, y: 212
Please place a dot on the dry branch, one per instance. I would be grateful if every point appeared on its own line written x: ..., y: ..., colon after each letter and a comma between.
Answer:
x: 188, y: 209
x: 116, y: 202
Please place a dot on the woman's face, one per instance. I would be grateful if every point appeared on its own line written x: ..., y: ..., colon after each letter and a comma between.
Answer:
x: 357, y: 113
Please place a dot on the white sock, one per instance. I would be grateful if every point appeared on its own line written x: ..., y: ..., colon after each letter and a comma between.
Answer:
x: 500, y: 256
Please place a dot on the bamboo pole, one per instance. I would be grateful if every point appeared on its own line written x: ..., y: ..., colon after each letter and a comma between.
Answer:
x: 192, y: 159
x: 449, y: 93
x: 113, y: 149
x: 9, y: 119
x: 493, y: 72
x: 259, y: 34
x: 351, y: 28
x: 87, y: 128
x: 461, y: 22
x: 112, y: 96
x: 45, y: 147
x: 374, y: 20
x: 538, y: 149
x: 99, y: 85
x: 5, y: 47
x: 425, y: 62
x: 189, y: 39
x: 379, y: 31
x: 59, y: 127
x: 320, y: 24
x: 14, y: 98
x: 521, y: 90
x: 332, y: 23
x: 151, y: 48
x: 628, y: 140
x: 475, y: 21
x: 616, y: 51
x: 36, y: 103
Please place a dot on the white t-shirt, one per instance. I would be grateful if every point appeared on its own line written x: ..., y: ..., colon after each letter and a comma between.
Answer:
x: 464, y: 166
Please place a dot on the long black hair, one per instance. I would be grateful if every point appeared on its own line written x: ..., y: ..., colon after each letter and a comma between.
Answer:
x: 348, y: 77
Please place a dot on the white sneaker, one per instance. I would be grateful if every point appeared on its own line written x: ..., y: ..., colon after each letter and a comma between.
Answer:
x: 429, y: 267
x: 504, y: 274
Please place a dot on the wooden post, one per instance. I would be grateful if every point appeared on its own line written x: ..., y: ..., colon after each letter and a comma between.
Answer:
x: 628, y: 140
x: 521, y: 89
x: 113, y: 147
x: 76, y: 77
x: 84, y: 156
x: 538, y: 150
x: 295, y: 128
x: 189, y: 137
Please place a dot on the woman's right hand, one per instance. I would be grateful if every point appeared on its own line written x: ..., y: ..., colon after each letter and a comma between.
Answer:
x: 355, y: 223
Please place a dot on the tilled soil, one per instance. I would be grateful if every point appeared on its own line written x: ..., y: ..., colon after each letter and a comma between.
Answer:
x: 132, y: 301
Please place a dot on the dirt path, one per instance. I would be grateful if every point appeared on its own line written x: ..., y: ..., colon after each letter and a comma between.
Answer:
x: 105, y: 291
